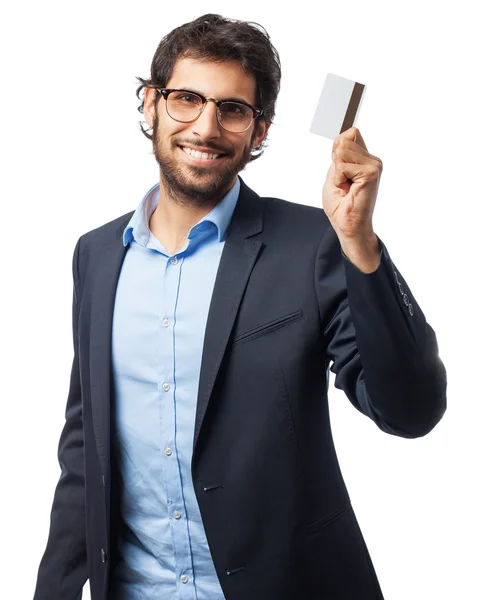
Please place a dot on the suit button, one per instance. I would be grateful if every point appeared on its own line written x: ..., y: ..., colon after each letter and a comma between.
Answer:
x: 405, y: 299
x: 103, y: 556
x: 411, y: 311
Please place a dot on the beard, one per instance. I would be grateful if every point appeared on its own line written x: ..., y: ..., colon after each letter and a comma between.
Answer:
x: 189, y: 185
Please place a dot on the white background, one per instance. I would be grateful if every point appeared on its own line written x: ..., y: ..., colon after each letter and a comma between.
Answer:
x: 73, y: 158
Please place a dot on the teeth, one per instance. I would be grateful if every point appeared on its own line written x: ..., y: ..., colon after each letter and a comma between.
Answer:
x: 196, y: 154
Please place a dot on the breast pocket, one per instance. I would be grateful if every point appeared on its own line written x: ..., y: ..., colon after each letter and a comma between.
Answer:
x: 268, y: 327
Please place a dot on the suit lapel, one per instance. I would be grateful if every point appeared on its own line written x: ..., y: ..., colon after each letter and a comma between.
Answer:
x: 238, y: 258
x: 103, y: 298
x: 237, y: 261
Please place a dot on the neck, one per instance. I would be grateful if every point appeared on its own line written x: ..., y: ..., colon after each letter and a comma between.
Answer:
x: 175, y: 215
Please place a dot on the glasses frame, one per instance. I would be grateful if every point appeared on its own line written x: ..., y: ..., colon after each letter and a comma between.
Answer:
x: 165, y: 92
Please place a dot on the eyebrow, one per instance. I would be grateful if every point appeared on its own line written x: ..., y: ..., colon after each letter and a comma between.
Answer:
x: 229, y: 98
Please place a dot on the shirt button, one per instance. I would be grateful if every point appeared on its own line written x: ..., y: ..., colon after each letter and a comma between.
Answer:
x: 177, y: 514
x: 166, y: 322
x: 168, y: 451
x: 184, y: 578
x: 166, y: 386
x: 174, y: 260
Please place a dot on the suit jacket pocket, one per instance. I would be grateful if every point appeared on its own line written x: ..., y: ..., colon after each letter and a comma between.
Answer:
x: 269, y: 326
x: 328, y: 519
x: 336, y: 561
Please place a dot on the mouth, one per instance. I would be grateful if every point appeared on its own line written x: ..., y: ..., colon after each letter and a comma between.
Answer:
x: 202, y: 158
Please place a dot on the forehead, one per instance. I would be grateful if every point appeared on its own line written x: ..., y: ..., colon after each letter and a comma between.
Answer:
x: 212, y: 79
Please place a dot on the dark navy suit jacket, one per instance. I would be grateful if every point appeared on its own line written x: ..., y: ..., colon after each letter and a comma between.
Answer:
x: 286, y: 304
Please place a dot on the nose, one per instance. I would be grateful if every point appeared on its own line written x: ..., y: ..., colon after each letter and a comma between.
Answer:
x: 206, y: 125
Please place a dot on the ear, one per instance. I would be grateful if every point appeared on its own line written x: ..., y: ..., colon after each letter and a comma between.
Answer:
x: 261, y: 133
x: 149, y: 108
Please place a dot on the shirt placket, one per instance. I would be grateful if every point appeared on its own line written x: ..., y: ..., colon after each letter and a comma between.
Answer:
x: 167, y: 393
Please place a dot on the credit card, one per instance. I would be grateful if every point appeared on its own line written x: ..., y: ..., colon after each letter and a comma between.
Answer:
x: 338, y: 106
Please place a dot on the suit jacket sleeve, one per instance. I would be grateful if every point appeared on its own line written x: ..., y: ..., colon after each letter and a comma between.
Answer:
x: 63, y: 569
x: 384, y: 353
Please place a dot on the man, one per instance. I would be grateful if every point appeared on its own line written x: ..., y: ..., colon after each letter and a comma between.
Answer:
x: 204, y: 468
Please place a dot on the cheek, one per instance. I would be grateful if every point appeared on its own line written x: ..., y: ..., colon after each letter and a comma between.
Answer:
x: 242, y: 146
x: 168, y: 129
x: 168, y: 137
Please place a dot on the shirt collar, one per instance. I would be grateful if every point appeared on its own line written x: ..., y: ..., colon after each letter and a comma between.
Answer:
x: 220, y: 216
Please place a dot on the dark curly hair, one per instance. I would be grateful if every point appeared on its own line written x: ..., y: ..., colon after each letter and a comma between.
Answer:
x: 219, y: 39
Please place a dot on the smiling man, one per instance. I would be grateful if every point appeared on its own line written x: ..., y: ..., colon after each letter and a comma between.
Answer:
x: 200, y: 158
x: 197, y: 456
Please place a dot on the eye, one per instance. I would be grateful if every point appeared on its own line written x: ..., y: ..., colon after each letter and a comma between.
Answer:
x: 232, y: 108
x: 188, y: 98
x: 185, y: 98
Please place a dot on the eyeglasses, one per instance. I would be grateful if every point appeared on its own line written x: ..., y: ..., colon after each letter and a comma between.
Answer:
x: 185, y: 107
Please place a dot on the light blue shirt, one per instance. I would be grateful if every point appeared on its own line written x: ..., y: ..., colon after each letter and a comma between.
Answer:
x: 159, y: 321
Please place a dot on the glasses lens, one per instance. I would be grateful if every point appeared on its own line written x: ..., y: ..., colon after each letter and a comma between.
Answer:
x: 183, y: 106
x: 235, y: 117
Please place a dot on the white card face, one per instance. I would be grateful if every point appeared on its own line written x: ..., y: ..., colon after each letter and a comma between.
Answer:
x: 338, y: 106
